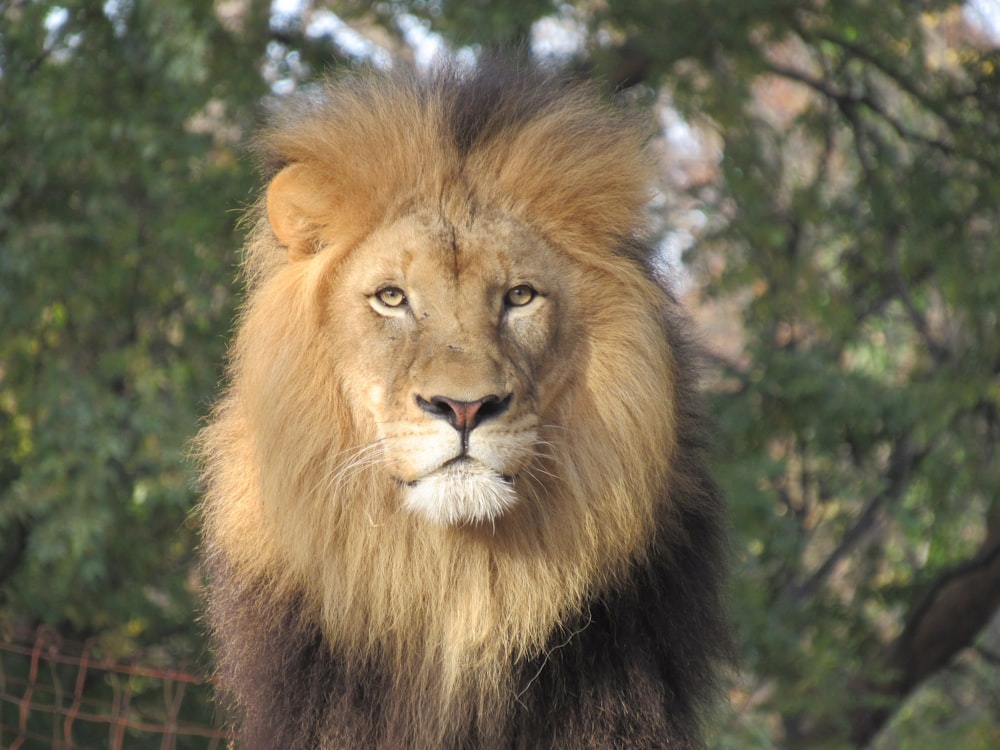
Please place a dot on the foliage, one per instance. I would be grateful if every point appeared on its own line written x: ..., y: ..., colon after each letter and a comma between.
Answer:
x: 848, y: 214
x: 116, y: 224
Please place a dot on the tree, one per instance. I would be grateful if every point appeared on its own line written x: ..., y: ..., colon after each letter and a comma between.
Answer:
x: 119, y: 143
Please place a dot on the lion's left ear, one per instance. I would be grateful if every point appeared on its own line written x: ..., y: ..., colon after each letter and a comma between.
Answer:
x: 295, y: 208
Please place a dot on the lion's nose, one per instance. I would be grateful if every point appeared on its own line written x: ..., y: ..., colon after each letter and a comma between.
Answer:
x: 464, y: 416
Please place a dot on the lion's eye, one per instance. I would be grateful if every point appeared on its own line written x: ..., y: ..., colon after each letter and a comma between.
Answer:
x: 391, y: 296
x: 520, y: 295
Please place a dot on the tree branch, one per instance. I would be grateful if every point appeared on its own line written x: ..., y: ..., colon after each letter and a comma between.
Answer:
x: 947, y: 619
x: 905, y: 459
x: 14, y: 548
x: 939, y: 352
x: 898, y: 77
x: 848, y: 103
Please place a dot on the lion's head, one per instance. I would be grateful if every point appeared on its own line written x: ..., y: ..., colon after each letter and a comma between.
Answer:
x: 454, y: 393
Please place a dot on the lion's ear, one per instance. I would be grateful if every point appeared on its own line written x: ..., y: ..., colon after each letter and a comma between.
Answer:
x: 295, y: 209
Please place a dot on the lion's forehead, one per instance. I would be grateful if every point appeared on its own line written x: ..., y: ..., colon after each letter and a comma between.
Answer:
x: 467, y: 251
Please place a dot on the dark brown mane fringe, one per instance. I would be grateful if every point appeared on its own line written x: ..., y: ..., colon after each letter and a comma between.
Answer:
x: 500, y: 98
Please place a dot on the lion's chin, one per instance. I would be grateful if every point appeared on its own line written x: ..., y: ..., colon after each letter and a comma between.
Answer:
x: 462, y: 493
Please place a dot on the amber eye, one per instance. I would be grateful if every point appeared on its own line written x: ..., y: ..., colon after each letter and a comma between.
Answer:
x: 520, y: 295
x: 391, y: 296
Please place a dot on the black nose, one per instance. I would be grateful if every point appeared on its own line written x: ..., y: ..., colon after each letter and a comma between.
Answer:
x: 464, y: 415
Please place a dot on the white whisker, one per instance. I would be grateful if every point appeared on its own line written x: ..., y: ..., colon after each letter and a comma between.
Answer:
x: 361, y: 459
x: 536, y: 470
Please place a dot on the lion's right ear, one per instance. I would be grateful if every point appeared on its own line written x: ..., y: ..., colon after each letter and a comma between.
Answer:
x: 296, y: 205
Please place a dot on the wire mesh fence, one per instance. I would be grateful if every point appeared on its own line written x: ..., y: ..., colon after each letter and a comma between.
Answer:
x: 60, y: 696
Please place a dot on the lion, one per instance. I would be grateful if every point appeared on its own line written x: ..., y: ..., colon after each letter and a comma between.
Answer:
x: 455, y: 490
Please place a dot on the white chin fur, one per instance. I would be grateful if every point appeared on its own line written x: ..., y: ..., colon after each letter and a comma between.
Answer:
x: 464, y: 493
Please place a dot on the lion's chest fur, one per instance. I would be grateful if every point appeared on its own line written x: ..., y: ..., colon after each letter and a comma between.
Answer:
x: 607, y: 655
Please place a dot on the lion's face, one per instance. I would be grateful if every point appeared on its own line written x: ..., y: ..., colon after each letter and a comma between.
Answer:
x: 449, y: 335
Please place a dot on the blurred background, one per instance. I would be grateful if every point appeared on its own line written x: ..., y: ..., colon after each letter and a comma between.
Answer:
x: 828, y: 207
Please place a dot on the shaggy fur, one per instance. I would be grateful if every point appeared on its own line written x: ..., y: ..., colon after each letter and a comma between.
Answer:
x: 585, y: 614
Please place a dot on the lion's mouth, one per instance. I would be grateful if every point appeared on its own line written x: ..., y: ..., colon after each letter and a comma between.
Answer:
x: 462, y: 490
x: 466, y: 462
x: 463, y: 463
x: 411, y: 483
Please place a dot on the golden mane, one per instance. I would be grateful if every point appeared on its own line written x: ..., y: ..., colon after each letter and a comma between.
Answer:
x: 297, y: 519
